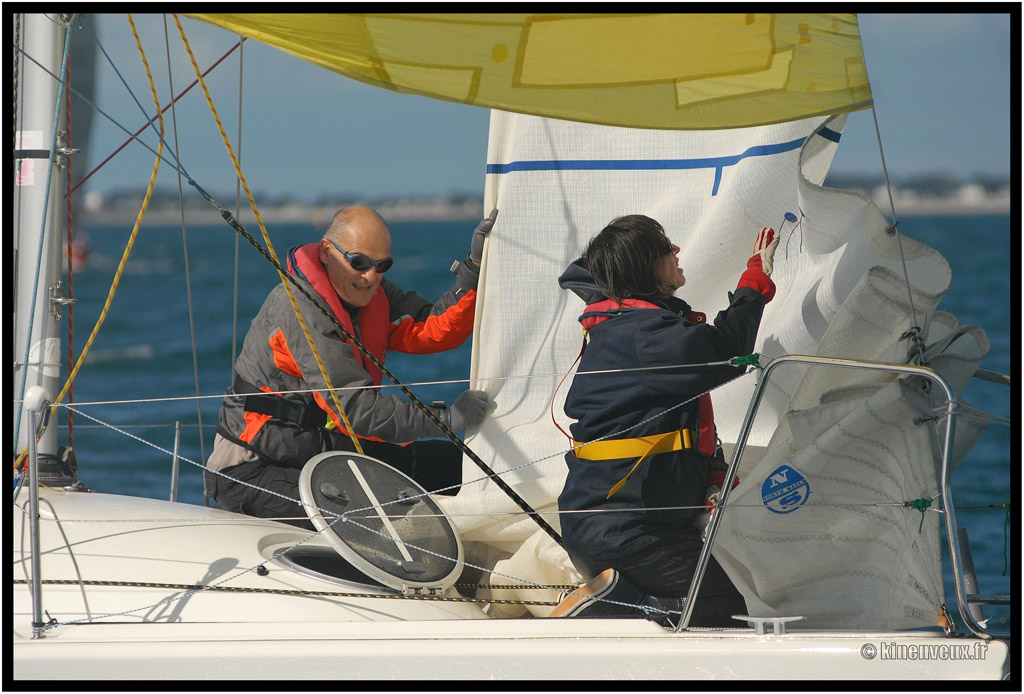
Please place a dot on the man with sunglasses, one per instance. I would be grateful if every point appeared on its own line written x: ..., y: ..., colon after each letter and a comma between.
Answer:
x: 278, y: 414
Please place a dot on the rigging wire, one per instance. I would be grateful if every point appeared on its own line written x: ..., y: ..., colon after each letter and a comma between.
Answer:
x: 237, y: 240
x: 61, y: 79
x: 70, y: 259
x: 914, y: 332
x: 131, y: 93
x: 68, y: 89
x: 184, y: 243
x: 940, y: 412
x: 491, y: 474
x: 134, y: 136
x: 207, y: 492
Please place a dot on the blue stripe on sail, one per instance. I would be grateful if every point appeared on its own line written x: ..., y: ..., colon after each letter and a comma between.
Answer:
x: 830, y: 134
x: 716, y: 163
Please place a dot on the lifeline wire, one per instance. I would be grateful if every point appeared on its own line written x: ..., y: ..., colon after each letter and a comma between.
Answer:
x: 920, y: 504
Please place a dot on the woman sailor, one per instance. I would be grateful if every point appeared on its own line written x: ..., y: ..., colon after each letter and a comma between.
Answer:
x: 643, y: 466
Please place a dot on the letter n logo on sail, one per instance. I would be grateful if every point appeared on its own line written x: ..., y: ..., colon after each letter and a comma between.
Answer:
x: 785, y: 490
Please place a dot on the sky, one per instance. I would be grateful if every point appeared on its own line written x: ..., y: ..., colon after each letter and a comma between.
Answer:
x: 941, y: 85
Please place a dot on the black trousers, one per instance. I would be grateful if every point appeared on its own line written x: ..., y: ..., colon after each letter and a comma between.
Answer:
x: 666, y: 569
x: 435, y: 464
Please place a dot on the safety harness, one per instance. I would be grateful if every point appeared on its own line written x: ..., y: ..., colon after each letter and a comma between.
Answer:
x: 301, y: 414
x: 642, y: 446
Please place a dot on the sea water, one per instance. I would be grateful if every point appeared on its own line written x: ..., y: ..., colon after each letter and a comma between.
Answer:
x: 144, y: 352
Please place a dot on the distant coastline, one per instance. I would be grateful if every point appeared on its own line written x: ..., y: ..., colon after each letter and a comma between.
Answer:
x: 123, y: 209
x: 317, y: 216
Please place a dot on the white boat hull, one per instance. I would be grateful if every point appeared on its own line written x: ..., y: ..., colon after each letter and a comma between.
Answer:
x: 600, y: 649
x: 131, y: 618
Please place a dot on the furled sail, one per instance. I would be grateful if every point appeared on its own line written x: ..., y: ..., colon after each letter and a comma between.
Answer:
x: 681, y: 71
x: 840, y: 293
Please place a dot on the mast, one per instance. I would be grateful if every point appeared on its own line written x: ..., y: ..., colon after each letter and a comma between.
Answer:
x: 39, y: 216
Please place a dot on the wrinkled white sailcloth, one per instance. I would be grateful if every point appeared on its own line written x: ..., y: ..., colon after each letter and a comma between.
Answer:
x: 557, y: 184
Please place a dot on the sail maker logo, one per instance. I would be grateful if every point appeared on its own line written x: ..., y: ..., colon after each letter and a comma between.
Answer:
x: 785, y: 490
x: 911, y: 651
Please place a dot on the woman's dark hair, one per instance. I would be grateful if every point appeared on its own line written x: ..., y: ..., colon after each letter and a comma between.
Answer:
x: 623, y: 258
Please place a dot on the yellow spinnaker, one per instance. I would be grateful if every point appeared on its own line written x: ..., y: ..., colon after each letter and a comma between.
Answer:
x: 672, y: 71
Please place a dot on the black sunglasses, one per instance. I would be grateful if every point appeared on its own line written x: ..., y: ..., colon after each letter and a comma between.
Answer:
x: 362, y: 263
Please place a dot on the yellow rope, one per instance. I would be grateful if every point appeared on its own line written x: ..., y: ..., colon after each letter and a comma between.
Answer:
x: 128, y: 249
x: 266, y: 236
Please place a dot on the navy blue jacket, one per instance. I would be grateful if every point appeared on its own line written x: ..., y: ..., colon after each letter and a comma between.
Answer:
x: 611, y: 403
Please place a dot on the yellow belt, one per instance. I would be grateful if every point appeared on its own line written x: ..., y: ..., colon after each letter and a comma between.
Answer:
x: 639, y: 448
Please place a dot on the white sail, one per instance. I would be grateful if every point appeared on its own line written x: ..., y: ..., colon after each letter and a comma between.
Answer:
x: 840, y: 293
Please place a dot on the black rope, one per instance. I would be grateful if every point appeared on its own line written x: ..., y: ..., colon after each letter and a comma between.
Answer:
x: 504, y: 486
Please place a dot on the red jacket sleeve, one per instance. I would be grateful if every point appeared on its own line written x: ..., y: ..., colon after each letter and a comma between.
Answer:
x: 754, y: 278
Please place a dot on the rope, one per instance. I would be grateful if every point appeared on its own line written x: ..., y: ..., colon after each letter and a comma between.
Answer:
x: 159, y: 133
x: 921, y: 505
x: 266, y: 238
x: 17, y: 67
x: 197, y: 588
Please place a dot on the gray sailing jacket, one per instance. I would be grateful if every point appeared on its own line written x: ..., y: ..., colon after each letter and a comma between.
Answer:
x: 288, y: 428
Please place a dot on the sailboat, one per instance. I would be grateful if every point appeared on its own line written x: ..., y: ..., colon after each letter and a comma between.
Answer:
x: 857, y: 376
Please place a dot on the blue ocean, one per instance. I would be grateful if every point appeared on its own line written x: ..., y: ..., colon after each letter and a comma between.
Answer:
x: 145, y: 350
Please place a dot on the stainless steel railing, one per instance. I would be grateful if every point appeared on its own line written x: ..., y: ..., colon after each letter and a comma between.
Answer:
x: 964, y: 598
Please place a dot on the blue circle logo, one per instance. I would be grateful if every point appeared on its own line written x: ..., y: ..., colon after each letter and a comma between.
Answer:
x: 785, y: 490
